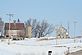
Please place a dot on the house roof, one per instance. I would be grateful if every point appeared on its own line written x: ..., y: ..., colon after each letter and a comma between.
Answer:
x: 14, y: 26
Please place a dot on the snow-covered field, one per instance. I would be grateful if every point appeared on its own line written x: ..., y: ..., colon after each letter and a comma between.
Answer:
x: 35, y: 46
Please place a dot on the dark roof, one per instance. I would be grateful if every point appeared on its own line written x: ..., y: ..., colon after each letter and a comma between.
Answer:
x: 14, y: 26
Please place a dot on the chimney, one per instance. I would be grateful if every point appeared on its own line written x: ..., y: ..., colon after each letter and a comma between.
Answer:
x: 18, y: 21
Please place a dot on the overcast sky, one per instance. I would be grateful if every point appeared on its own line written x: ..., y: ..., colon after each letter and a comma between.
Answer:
x: 54, y: 11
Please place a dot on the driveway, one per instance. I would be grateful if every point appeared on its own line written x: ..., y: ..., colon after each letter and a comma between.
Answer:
x: 76, y: 53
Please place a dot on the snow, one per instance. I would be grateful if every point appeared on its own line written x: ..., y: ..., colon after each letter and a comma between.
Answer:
x: 39, y: 46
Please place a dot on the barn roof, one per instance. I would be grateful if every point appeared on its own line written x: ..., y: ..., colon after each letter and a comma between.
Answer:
x: 14, y: 26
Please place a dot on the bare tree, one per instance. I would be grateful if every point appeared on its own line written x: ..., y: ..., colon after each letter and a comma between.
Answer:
x: 44, y: 29
x: 40, y: 29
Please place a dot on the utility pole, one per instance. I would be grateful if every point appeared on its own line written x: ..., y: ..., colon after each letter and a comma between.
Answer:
x: 68, y: 30
x: 10, y: 16
x: 74, y: 30
x: 56, y: 29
